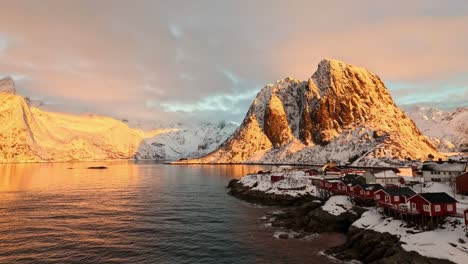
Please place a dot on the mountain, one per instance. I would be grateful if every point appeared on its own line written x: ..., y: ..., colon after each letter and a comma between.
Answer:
x: 342, y: 113
x: 28, y: 133
x: 187, y: 140
x: 448, y: 131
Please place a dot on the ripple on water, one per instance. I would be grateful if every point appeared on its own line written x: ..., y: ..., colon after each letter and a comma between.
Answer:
x: 135, y: 213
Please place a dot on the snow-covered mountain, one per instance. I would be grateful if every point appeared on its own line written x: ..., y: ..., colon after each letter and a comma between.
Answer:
x: 28, y: 134
x: 342, y: 113
x: 187, y: 140
x: 31, y: 134
x: 446, y: 130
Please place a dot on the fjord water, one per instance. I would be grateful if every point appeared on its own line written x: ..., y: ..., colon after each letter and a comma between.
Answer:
x: 137, y: 213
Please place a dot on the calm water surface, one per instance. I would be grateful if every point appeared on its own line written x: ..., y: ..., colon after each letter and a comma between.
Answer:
x: 137, y: 213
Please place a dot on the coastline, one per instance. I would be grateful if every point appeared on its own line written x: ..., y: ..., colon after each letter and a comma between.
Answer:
x: 306, y: 214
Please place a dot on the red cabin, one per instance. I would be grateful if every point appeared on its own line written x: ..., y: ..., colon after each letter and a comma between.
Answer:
x: 331, y: 185
x: 462, y: 184
x: 355, y: 190
x: 393, y: 196
x: 275, y: 178
x: 368, y: 190
x: 433, y: 204
x: 341, y: 187
x: 333, y: 171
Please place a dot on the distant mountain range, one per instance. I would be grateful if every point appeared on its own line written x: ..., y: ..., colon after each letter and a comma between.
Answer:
x: 448, y: 131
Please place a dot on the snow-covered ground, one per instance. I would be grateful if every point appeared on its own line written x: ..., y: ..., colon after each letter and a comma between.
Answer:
x: 338, y: 204
x: 440, y: 243
x: 444, y: 243
x: 293, y: 185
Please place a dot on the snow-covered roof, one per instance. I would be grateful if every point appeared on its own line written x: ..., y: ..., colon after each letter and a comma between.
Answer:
x: 450, y: 166
x: 386, y: 174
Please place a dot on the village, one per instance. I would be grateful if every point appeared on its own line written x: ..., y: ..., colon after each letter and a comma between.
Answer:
x: 425, y: 206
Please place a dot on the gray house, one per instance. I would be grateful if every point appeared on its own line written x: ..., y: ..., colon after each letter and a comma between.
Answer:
x: 442, y: 171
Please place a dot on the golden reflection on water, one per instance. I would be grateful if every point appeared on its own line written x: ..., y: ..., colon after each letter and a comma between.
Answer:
x: 43, y: 176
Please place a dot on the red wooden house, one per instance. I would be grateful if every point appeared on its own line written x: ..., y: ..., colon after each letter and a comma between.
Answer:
x: 368, y: 191
x: 333, y: 171
x: 433, y: 204
x: 330, y: 184
x: 392, y: 197
x: 462, y: 183
x: 341, y: 187
x: 355, y: 189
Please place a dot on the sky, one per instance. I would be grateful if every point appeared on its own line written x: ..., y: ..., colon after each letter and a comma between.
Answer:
x: 206, y: 60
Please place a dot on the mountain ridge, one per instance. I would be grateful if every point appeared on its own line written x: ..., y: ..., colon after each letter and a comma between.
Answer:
x: 341, y: 113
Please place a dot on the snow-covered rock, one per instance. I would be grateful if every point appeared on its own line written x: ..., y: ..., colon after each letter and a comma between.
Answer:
x: 338, y: 205
x: 342, y: 113
x: 292, y: 185
x: 446, y: 130
x: 443, y: 243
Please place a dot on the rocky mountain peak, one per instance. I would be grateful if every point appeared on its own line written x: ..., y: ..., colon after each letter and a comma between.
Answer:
x: 7, y: 85
x: 340, y: 102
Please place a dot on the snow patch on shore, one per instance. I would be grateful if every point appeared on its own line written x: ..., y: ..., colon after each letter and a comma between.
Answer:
x: 440, y: 243
x: 338, y: 205
x: 293, y: 185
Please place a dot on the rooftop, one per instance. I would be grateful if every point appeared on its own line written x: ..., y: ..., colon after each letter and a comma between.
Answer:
x: 439, y: 197
x: 452, y: 166
x: 403, y: 191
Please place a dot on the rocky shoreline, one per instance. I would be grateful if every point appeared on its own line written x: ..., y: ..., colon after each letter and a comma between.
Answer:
x: 306, y: 215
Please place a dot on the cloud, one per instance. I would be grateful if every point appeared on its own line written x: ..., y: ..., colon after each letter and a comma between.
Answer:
x: 154, y: 59
x: 176, y: 31
x: 215, y: 103
x: 3, y: 44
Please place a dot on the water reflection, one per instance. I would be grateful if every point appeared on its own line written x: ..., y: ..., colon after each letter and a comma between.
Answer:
x: 136, y: 213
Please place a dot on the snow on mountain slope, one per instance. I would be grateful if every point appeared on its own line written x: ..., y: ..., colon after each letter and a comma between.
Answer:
x: 446, y: 130
x: 188, y: 141
x: 342, y: 113
x: 28, y: 134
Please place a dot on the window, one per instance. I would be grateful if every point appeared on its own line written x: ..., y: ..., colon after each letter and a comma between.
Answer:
x: 397, y: 198
x: 368, y: 192
x: 426, y: 208
x: 386, y: 198
x: 377, y: 196
x: 437, y: 208
x: 449, y: 208
x: 351, y: 188
x: 362, y: 192
x: 413, y: 206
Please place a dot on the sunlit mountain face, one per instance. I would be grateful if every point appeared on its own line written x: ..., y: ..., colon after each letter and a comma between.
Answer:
x: 342, y: 113
x: 29, y: 134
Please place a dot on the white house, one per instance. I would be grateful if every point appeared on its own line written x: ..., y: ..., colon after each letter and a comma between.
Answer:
x: 442, y: 171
